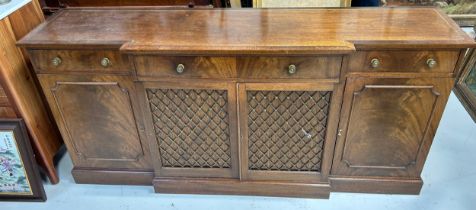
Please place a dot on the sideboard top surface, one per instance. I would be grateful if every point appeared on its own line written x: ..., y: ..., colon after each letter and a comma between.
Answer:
x: 249, y: 31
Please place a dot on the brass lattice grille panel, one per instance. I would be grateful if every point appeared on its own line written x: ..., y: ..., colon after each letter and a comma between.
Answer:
x: 191, y: 127
x: 286, y: 129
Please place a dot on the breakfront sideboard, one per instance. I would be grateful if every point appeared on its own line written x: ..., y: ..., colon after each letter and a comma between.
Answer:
x: 276, y: 102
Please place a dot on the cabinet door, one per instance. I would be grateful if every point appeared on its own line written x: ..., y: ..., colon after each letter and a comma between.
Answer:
x: 97, y: 119
x: 191, y: 127
x: 387, y: 125
x: 287, y: 130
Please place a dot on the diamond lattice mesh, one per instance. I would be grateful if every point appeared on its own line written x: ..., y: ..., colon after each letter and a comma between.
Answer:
x: 191, y: 127
x: 286, y: 129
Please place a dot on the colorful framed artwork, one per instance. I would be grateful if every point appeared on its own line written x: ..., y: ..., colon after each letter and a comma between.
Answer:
x: 19, y: 176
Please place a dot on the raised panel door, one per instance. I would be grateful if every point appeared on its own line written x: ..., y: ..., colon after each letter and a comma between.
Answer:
x: 97, y: 118
x: 387, y: 125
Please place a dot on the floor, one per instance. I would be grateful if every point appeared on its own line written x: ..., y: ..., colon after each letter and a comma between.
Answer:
x: 449, y: 176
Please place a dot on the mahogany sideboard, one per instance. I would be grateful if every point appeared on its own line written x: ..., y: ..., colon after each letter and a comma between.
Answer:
x: 275, y: 102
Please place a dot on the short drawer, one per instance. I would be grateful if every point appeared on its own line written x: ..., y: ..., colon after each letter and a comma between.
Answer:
x: 185, y: 66
x: 322, y: 67
x: 404, y: 61
x: 3, y: 98
x: 80, y: 61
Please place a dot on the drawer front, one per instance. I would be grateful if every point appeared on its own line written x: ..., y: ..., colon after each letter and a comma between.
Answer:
x: 282, y: 67
x: 185, y: 66
x: 103, y: 61
x: 3, y: 98
x: 404, y: 61
x: 6, y: 109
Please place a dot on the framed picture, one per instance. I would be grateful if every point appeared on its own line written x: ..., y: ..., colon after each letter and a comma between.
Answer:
x: 465, y: 88
x: 19, y: 176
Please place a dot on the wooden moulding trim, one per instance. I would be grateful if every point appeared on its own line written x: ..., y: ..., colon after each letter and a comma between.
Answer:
x: 154, y: 49
x: 107, y: 176
x: 376, y: 185
x: 237, y: 187
x: 411, y: 45
x: 130, y: 47
x: 45, y: 45
x: 320, y: 47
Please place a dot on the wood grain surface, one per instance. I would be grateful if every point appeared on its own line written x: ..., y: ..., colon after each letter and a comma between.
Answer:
x: 80, y: 60
x: 404, y: 61
x: 387, y: 124
x: 97, y: 118
x: 250, y: 31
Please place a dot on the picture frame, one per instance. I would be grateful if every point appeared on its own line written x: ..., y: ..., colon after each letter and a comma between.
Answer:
x: 465, y: 89
x: 20, y: 180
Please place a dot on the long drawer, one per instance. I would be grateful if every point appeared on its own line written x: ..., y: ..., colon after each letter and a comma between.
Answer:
x: 316, y: 67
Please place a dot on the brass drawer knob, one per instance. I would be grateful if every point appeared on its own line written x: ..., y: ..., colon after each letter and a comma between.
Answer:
x: 180, y: 68
x: 105, y: 62
x: 431, y: 62
x: 375, y: 63
x: 56, y: 61
x: 292, y: 69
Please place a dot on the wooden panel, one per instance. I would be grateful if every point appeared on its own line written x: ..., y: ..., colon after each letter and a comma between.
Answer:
x: 278, y: 67
x: 238, y: 32
x: 376, y: 185
x: 17, y: 81
x: 195, y: 67
x: 97, y: 120
x: 404, y: 61
x: 236, y: 187
x: 24, y: 20
x: 79, y: 61
x: 192, y: 128
x: 93, y: 3
x: 300, y: 3
x: 105, y: 176
x: 388, y: 137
